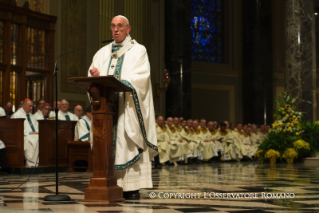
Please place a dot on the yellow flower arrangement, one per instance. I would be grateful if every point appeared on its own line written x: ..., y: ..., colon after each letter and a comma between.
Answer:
x: 258, y: 153
x: 287, y: 119
x: 290, y: 153
x: 301, y: 144
x: 271, y: 153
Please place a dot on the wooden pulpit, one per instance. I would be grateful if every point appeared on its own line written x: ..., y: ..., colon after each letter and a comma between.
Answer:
x: 103, y: 185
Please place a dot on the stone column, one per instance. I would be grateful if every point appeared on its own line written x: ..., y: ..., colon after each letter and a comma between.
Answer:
x: 178, y: 57
x: 300, y: 56
x: 257, y: 62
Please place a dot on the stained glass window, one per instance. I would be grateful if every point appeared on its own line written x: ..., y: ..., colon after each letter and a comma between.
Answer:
x: 207, y: 30
x: 13, y: 83
x: 36, y: 49
x: 14, y: 44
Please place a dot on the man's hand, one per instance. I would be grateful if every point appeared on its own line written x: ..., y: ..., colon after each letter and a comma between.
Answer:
x: 180, y: 140
x: 95, y: 71
x: 169, y: 142
x: 34, y: 133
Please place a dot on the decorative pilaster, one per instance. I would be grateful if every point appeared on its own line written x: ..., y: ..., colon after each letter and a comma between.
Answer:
x: 300, y: 56
x: 257, y: 62
x: 136, y: 12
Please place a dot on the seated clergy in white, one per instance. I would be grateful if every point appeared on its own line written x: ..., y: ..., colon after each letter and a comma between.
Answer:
x: 64, y: 115
x: 83, y: 129
x: 41, y: 103
x: 3, y: 156
x: 31, y: 135
x: 2, y: 112
x: 44, y: 112
x: 78, y: 111
x: 7, y: 106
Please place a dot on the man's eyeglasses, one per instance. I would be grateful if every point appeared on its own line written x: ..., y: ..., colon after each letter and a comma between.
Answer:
x: 119, y: 26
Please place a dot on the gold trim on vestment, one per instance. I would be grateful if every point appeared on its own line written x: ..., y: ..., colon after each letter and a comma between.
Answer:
x: 223, y: 133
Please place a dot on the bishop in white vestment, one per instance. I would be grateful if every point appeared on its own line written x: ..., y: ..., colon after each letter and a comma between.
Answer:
x: 31, y: 133
x: 43, y: 114
x: 135, y: 129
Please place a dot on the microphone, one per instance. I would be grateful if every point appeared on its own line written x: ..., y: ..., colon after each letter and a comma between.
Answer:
x: 77, y: 49
x: 58, y: 197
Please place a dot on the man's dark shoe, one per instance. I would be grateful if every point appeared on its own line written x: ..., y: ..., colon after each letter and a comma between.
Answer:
x: 198, y: 162
x: 131, y: 195
x: 159, y: 166
x: 211, y: 160
x: 190, y: 161
x: 181, y: 163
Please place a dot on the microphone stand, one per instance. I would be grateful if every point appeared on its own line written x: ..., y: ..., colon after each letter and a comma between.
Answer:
x: 58, y: 197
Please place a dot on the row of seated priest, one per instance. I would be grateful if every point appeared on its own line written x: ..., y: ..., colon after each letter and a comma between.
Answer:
x: 81, y: 130
x: 46, y: 111
x: 183, y: 141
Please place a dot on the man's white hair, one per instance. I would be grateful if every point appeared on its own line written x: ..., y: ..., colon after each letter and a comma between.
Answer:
x: 128, y: 23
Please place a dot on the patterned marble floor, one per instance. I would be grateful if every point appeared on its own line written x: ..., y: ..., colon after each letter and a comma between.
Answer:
x: 251, y: 187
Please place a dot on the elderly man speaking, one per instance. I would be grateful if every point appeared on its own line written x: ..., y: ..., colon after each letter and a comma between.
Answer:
x: 135, y: 131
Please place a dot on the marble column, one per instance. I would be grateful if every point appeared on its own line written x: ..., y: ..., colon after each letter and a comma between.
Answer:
x: 300, y: 56
x: 257, y: 62
x: 178, y: 57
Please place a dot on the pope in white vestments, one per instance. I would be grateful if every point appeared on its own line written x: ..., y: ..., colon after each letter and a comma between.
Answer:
x: 135, y: 129
x: 31, y: 133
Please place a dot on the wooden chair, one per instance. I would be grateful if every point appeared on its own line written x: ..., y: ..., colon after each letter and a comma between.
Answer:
x: 79, y: 151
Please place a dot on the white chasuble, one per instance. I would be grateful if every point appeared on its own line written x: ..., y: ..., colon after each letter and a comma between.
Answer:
x: 2, y: 112
x: 63, y: 116
x: 31, y: 141
x: 135, y: 127
x: 39, y: 116
x: 162, y: 142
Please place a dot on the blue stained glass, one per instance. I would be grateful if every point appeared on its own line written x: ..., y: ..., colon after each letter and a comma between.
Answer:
x: 207, y: 30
